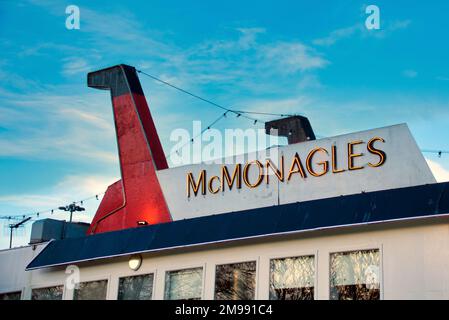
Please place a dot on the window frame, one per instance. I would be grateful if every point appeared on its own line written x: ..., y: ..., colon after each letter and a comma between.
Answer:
x: 186, y: 267
x: 93, y: 279
x: 235, y: 261
x: 139, y: 272
x: 8, y: 291
x: 313, y: 253
x: 48, y: 285
x: 354, y: 248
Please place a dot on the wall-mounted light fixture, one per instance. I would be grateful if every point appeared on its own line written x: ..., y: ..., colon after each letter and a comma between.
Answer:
x: 142, y: 223
x: 135, y: 261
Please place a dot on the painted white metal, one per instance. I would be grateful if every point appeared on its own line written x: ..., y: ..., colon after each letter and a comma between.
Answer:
x: 13, y: 277
x: 414, y: 261
x: 405, y: 166
x: 231, y: 240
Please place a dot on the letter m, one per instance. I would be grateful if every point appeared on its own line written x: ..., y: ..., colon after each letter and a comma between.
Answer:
x: 196, y: 185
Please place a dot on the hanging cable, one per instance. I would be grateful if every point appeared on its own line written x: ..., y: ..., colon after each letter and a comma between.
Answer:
x: 49, y: 211
x: 438, y: 152
x: 267, y: 113
x: 236, y: 112
x: 198, y: 135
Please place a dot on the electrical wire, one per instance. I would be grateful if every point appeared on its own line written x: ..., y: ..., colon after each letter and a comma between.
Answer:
x: 198, y: 135
x: 438, y: 152
x: 49, y: 211
x: 237, y: 112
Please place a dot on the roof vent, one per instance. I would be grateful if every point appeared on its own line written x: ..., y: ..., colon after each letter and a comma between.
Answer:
x: 296, y: 128
x: 47, y: 229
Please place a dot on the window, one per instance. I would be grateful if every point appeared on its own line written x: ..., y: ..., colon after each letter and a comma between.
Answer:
x: 93, y: 290
x: 292, y: 278
x: 355, y: 275
x: 235, y: 281
x: 49, y: 293
x: 10, y: 295
x: 136, y: 287
x: 184, y: 284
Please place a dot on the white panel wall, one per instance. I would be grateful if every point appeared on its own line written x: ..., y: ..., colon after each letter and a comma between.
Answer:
x: 414, y: 261
x: 174, y: 187
x: 12, y: 268
x: 405, y: 166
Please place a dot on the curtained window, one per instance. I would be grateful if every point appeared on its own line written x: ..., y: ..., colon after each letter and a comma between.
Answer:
x: 93, y: 290
x: 235, y: 281
x: 10, y: 295
x: 292, y: 278
x: 355, y: 275
x: 136, y: 287
x: 49, y: 293
x: 184, y: 284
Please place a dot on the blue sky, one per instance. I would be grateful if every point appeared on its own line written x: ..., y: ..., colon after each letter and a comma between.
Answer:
x: 57, y: 141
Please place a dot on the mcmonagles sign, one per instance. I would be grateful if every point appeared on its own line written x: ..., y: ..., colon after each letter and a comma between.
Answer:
x: 297, y: 167
x: 365, y: 161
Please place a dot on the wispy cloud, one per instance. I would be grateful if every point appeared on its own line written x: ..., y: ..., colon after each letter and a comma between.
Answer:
x: 67, y: 190
x: 441, y: 174
x: 248, y: 37
x: 361, y: 31
x: 291, y: 57
x: 387, y: 28
x: 241, y: 60
x: 409, y: 73
x: 310, y: 81
x: 337, y: 35
x: 288, y: 105
x: 51, y: 125
x: 74, y: 65
x: 246, y: 60
x: 47, y: 49
x: 399, y: 25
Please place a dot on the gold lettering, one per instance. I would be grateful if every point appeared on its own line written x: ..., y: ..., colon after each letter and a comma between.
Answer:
x: 236, y: 175
x: 210, y: 185
x: 218, y: 183
x: 382, y: 155
x: 296, y: 162
x: 279, y: 173
x: 245, y: 174
x: 196, y: 186
x: 352, y: 155
x: 324, y: 164
x: 334, y: 161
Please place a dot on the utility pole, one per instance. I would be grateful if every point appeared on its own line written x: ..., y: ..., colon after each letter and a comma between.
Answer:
x: 15, y: 226
x: 71, y: 208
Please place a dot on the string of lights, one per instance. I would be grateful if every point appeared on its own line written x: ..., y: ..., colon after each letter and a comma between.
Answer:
x: 37, y: 214
x: 198, y: 135
x: 438, y: 152
x: 238, y: 113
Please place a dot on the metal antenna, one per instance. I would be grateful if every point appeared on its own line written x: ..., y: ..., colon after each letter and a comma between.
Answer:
x: 15, y: 226
x: 71, y: 208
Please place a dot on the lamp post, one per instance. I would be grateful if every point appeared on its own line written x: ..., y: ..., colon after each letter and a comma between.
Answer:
x: 71, y: 208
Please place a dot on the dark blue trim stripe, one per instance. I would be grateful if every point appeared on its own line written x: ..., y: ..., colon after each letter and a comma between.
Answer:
x: 403, y: 203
